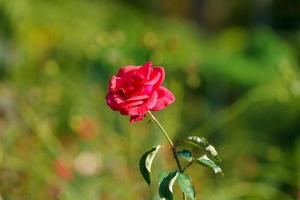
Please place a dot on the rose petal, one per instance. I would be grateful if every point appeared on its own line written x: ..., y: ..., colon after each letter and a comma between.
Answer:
x: 136, y: 98
x: 115, y: 83
x: 125, y: 70
x: 165, y: 98
x: 136, y: 78
x: 118, y: 99
x: 157, y: 82
x: 148, y: 105
x: 123, y: 112
x: 145, y: 70
x: 113, y: 101
x: 154, y: 79
x: 136, y: 118
x: 146, y: 90
x: 135, y: 103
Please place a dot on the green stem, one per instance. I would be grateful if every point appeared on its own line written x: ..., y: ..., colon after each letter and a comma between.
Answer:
x: 171, y: 144
x: 162, y: 129
x: 189, y: 164
x: 183, y: 196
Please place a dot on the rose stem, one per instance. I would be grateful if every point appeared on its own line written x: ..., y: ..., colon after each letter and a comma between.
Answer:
x: 170, y: 142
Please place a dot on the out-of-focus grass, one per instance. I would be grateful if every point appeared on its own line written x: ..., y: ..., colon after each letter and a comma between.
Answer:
x: 58, y: 140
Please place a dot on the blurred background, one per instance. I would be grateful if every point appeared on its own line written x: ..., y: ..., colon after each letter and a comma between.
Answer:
x: 233, y: 66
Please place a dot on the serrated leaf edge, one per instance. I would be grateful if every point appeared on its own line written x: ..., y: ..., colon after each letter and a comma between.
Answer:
x: 216, y: 169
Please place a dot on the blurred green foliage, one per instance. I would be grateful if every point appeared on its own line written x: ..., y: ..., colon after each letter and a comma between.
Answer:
x: 240, y: 88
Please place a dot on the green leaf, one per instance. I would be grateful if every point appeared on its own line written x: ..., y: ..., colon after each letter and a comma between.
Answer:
x: 185, y: 154
x: 166, y: 186
x: 146, y: 163
x: 198, y: 141
x: 202, y: 143
x: 161, y: 176
x: 213, y: 152
x: 186, y: 186
x: 206, y: 162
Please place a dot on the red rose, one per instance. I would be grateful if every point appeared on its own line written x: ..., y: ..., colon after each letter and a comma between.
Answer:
x: 135, y: 90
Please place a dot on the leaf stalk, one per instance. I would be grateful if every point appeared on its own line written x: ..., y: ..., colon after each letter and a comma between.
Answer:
x: 173, y: 147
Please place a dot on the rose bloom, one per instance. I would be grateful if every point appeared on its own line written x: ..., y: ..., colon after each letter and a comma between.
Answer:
x: 135, y: 90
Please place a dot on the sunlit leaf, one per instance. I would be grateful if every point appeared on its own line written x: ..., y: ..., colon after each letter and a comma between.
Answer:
x: 186, y: 186
x: 146, y: 163
x: 198, y: 141
x: 205, y: 161
x: 185, y: 154
x: 202, y: 143
x: 166, y: 186
x: 213, y: 152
